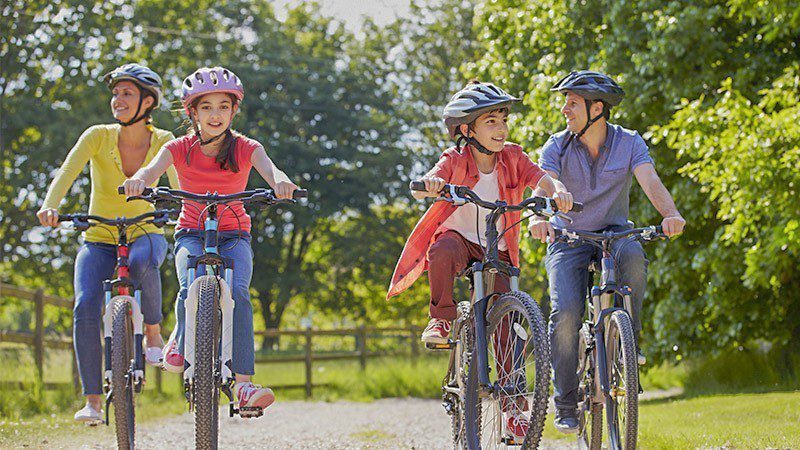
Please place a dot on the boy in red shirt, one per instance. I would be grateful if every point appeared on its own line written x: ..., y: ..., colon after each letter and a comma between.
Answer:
x: 447, y: 238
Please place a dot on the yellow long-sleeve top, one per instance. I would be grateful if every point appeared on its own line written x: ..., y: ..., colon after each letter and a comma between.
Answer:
x: 98, y: 146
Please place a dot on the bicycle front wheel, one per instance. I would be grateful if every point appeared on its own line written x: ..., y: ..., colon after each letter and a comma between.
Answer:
x: 205, y: 388
x: 622, y: 403
x: 121, y: 376
x: 519, y: 355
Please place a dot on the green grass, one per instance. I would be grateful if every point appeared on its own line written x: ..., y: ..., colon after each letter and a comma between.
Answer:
x: 720, y: 421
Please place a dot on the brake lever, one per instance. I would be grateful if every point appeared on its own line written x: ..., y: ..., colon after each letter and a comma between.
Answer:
x: 456, y: 199
x: 563, y: 216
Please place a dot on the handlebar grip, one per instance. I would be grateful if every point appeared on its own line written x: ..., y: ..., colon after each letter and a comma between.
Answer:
x: 147, y: 190
x: 577, y: 207
x: 417, y: 186
x: 300, y: 193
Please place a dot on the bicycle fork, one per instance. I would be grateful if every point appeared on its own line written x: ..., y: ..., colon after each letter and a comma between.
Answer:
x: 226, y: 305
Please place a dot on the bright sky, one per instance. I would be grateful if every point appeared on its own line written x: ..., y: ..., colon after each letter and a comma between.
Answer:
x: 351, y: 12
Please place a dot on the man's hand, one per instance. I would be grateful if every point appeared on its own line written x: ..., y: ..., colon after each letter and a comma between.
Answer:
x: 563, y: 201
x: 542, y: 230
x: 673, y: 225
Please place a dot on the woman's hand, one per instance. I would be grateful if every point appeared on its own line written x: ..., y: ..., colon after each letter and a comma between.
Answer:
x: 48, y: 217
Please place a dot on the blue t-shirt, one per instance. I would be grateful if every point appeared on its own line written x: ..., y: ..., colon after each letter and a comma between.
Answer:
x: 603, y: 185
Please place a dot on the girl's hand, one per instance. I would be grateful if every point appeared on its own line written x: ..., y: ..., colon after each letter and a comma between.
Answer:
x: 284, y: 189
x: 133, y: 187
x: 48, y: 217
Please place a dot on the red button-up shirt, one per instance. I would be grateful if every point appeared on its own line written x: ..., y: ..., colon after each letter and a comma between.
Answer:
x: 515, y: 172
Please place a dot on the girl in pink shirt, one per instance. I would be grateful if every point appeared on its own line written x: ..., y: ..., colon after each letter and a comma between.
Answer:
x: 216, y: 159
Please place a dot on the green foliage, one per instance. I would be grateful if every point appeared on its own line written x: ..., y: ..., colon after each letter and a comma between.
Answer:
x: 663, y: 53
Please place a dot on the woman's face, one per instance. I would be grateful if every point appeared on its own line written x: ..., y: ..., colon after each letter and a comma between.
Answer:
x: 214, y: 113
x: 125, y: 99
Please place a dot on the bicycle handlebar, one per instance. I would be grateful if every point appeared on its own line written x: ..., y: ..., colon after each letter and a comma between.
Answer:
x: 162, y: 193
x: 540, y: 205
x: 650, y: 233
x: 160, y: 218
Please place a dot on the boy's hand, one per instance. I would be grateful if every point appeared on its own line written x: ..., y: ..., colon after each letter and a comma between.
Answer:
x: 542, y: 229
x: 563, y: 201
x: 284, y: 189
x: 433, y: 185
x: 133, y: 187
x: 48, y: 217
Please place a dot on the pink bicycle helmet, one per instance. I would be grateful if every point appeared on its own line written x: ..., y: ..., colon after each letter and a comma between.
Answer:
x: 207, y: 80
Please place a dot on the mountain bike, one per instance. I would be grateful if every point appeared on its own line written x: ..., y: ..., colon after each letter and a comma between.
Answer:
x: 502, y: 330
x: 607, y: 367
x: 123, y: 324
x: 208, y: 338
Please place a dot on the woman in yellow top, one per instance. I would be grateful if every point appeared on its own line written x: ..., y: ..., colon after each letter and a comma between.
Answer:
x: 114, y: 153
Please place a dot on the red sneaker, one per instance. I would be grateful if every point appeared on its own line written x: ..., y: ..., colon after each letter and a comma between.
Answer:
x: 516, y: 426
x: 173, y: 360
x: 437, y: 332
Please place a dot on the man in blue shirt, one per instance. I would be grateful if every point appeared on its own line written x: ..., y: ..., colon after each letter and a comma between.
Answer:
x: 595, y: 161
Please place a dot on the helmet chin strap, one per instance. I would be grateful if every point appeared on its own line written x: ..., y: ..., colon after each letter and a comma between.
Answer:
x: 473, y: 142
x: 589, y: 123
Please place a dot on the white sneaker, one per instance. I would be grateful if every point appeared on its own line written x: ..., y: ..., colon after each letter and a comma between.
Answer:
x: 154, y: 356
x: 89, y: 415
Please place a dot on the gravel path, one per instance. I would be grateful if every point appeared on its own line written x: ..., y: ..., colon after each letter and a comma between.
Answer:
x: 382, y: 424
x: 399, y: 423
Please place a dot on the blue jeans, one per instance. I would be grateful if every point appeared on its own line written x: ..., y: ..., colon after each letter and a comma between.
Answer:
x: 95, y: 263
x: 191, y: 242
x: 567, y: 271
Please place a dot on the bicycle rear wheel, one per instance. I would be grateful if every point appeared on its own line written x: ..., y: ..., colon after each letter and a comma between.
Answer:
x: 205, y: 389
x: 622, y: 403
x: 121, y: 376
x: 519, y: 355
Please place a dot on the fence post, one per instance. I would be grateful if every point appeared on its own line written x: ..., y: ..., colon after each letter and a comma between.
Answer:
x: 158, y: 379
x: 362, y: 343
x: 308, y: 363
x: 38, y: 339
x: 412, y: 340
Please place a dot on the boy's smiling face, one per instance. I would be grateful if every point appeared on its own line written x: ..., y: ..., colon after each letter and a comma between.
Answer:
x: 491, y: 129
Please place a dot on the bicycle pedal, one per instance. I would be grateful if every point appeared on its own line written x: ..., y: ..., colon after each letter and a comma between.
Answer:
x: 249, y: 412
x: 509, y: 440
x: 448, y: 346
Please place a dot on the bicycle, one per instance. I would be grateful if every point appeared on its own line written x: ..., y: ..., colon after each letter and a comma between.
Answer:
x: 123, y: 325
x: 506, y: 328
x: 208, y: 337
x: 608, y: 366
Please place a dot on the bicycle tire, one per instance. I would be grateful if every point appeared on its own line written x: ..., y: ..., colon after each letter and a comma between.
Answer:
x: 525, y: 309
x: 622, y: 368
x: 121, y: 381
x: 465, y: 331
x: 205, y: 389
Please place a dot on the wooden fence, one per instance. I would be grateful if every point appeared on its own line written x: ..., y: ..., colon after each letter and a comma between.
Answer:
x: 39, y: 342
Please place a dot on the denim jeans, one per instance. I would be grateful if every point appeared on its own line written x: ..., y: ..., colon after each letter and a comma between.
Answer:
x: 95, y: 263
x: 191, y: 242
x: 567, y: 271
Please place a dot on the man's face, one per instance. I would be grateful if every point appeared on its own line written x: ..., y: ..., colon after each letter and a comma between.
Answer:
x: 574, y: 111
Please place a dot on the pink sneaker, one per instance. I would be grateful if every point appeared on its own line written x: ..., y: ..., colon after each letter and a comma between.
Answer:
x: 252, y: 395
x: 173, y: 360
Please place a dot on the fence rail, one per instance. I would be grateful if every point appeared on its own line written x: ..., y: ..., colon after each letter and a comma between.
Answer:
x: 309, y: 356
x: 37, y: 338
